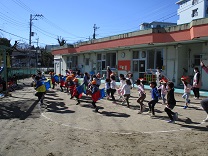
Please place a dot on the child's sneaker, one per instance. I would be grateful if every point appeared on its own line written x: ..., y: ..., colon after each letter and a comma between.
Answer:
x: 143, y: 108
x: 123, y: 103
x: 185, y: 107
x: 171, y: 121
x: 96, y: 109
x: 175, y: 116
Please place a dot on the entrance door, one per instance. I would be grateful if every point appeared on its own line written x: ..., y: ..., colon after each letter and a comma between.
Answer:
x: 142, y: 68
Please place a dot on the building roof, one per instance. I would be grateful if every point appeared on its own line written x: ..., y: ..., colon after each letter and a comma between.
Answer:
x: 180, y: 2
x: 195, y: 31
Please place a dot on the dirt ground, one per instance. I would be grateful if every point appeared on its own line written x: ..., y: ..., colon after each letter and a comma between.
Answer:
x: 62, y: 128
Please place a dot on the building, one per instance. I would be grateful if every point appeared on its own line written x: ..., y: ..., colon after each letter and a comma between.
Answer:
x: 156, y: 24
x: 191, y: 9
x: 176, y: 49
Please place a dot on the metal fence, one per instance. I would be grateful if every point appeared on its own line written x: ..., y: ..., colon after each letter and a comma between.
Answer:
x: 21, y: 73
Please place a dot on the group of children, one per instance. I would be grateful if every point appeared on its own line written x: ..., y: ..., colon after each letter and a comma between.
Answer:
x: 72, y: 85
x: 92, y: 82
x: 165, y: 92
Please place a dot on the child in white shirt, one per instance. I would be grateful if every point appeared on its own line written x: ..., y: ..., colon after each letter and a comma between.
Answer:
x: 126, y: 90
x: 142, y: 95
x: 113, y: 87
x: 163, y: 90
x: 122, y: 83
x: 187, y: 90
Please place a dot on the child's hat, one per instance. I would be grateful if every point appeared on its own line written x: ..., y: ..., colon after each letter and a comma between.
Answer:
x: 76, y: 80
x: 163, y: 81
x: 69, y: 77
x: 141, y: 79
x: 184, y: 78
x: 93, y: 82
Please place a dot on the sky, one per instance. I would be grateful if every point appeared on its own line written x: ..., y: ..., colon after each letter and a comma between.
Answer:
x: 73, y: 20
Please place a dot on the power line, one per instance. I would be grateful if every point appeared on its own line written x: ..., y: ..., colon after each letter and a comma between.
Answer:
x: 13, y: 34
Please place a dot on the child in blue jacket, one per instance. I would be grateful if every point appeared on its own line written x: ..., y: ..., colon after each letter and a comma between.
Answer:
x: 40, y: 88
x: 154, y: 97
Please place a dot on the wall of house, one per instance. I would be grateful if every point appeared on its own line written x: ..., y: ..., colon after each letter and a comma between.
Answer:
x: 185, y: 11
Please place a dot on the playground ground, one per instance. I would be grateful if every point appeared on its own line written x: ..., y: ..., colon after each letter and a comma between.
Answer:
x: 62, y: 128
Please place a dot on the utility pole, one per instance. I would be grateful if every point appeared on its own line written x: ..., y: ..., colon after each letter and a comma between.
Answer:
x: 95, y: 28
x: 32, y: 17
x: 37, y: 48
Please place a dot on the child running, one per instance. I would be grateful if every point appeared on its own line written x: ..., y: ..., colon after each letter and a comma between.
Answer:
x: 94, y: 90
x: 126, y: 90
x: 154, y: 96
x: 142, y: 95
x: 163, y: 90
x: 171, y: 102
x: 122, y: 83
x: 40, y: 88
x: 75, y: 92
x: 187, y: 90
x: 113, y: 87
x: 107, y: 88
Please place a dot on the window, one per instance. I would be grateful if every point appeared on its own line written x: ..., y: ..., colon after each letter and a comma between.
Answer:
x: 74, y: 61
x: 69, y: 63
x: 87, y: 61
x: 135, y: 66
x: 99, y: 56
x: 135, y: 54
x: 197, y: 59
x: 155, y: 59
x: 207, y: 10
x: 194, y: 2
x: 151, y: 59
x: 195, y: 13
x: 111, y: 60
x: 143, y: 54
x: 159, y: 59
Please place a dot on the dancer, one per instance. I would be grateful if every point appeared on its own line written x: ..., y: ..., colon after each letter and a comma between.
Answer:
x: 154, y: 96
x: 122, y: 83
x: 62, y: 82
x: 94, y: 90
x: 187, y: 91
x: 113, y: 87
x: 52, y: 79
x: 40, y: 88
x: 163, y: 90
x: 75, y: 92
x: 171, y: 102
x: 142, y: 94
x: 126, y: 90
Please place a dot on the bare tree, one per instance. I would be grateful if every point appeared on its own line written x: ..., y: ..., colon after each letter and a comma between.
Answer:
x: 61, y: 41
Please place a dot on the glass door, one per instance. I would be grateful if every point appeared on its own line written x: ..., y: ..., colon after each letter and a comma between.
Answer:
x: 142, y: 68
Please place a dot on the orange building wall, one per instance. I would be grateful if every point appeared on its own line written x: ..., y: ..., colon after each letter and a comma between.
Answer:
x: 177, y: 36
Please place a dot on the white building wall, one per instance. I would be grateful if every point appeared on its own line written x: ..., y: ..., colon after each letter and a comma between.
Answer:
x: 185, y: 11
